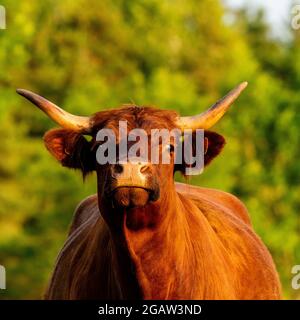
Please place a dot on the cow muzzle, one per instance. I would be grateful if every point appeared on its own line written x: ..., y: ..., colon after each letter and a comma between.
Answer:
x: 133, y: 184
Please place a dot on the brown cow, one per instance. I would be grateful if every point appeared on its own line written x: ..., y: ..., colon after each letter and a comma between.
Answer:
x: 143, y: 236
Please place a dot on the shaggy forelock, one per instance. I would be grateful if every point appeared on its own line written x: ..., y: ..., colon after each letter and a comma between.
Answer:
x: 143, y: 117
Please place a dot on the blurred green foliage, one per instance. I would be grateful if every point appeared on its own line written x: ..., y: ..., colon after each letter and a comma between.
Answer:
x: 89, y: 56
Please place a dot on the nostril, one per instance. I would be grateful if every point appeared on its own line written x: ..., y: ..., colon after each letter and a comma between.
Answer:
x: 118, y: 168
x: 145, y: 168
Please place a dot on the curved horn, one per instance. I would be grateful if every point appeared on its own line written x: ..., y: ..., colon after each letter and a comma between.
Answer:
x: 61, y: 117
x: 207, y: 119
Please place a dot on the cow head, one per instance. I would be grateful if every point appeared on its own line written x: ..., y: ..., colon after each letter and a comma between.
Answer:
x: 135, y: 183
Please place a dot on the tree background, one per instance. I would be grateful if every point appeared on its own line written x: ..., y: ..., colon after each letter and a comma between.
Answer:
x: 182, y: 55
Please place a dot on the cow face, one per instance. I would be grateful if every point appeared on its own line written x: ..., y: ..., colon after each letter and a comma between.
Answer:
x: 135, y: 181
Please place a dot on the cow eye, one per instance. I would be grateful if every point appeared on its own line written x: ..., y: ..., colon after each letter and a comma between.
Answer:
x: 170, y: 148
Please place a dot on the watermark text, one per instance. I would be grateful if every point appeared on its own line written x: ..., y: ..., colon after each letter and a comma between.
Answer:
x: 295, y: 23
x: 2, y: 17
x: 296, y: 278
x: 2, y: 278
x: 156, y: 147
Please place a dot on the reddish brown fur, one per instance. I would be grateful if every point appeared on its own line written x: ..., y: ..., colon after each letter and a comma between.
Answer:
x: 192, y: 243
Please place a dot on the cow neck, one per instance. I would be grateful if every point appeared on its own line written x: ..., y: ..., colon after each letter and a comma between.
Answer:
x: 157, y: 254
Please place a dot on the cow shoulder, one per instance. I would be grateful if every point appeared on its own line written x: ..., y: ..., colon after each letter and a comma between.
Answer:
x: 217, y: 197
x: 83, y: 212
x: 229, y: 220
x: 85, y: 219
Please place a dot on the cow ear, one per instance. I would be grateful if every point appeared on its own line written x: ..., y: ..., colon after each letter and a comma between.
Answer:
x: 71, y: 149
x: 213, y: 145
